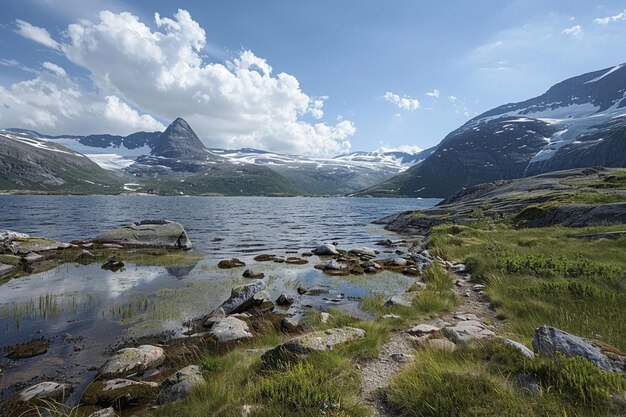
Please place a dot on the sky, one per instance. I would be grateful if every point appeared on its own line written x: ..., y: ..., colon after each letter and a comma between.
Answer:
x: 315, y: 78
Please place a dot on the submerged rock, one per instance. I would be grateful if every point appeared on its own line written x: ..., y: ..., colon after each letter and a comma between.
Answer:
x: 230, y: 263
x: 294, y: 260
x: 132, y: 360
x: 230, y: 329
x: 248, y: 273
x: 550, y: 340
x: 148, y: 233
x: 264, y: 258
x: 243, y: 298
x: 307, y: 344
x: 113, y: 265
x: 178, y: 386
x: 29, y: 349
x: 48, y: 389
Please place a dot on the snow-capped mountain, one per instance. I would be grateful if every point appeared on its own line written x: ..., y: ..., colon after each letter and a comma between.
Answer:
x: 160, y: 160
x: 154, y: 157
x: 577, y: 123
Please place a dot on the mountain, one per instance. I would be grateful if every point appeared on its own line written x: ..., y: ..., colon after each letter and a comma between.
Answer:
x: 176, y: 161
x: 341, y: 175
x: 34, y: 165
x: 580, y: 122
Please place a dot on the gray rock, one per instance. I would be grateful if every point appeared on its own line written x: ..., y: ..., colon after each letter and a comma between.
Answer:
x: 292, y: 324
x: 402, y: 357
x: 528, y: 384
x: 422, y: 329
x: 325, y: 250
x: 525, y: 351
x: 31, y: 257
x: 478, y: 287
x: 21, y: 243
x: 466, y: 317
x: 85, y: 257
x: 363, y: 252
x: 439, y: 344
x: 43, y: 390
x: 332, y: 266
x: 215, y: 317
x: 372, y: 264
x: 459, y: 268
x: 397, y: 262
x: 178, y: 386
x: 121, y: 383
x: 6, y: 269
x: 550, y: 340
x: 284, y: 300
x: 464, y: 331
x: 242, y: 298
x: 401, y: 300
x: 391, y: 317
x: 131, y: 360
x: 304, y: 345
x: 248, y: 273
x: 148, y: 233
x: 230, y: 329
x: 105, y: 412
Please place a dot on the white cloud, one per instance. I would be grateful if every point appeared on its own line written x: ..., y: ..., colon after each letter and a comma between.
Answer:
x: 610, y: 19
x: 435, y: 93
x: 35, y: 33
x: 54, y: 68
x: 141, y: 74
x: 241, y: 102
x: 53, y: 103
x: 575, y: 31
x: 452, y: 99
x: 404, y: 103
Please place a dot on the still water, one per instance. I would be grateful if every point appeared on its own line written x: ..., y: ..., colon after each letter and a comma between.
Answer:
x: 84, y: 310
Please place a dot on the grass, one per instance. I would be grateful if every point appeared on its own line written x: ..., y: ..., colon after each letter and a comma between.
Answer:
x: 482, y: 380
x: 437, y: 297
x: 546, y: 276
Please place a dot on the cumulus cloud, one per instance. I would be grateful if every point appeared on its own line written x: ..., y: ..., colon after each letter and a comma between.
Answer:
x: 611, y: 19
x: 435, y: 93
x: 35, y: 33
x: 404, y: 103
x: 575, y: 31
x: 53, y: 103
x: 239, y: 102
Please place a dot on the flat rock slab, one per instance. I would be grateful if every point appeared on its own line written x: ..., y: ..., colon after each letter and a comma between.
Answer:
x: 230, y: 329
x: 114, y: 391
x: 464, y: 331
x: 243, y: 298
x: 422, y: 329
x: 6, y: 269
x: 149, y: 234
x: 550, y: 340
x: 302, y: 346
x: 132, y: 360
x: 178, y: 386
x: 43, y: 390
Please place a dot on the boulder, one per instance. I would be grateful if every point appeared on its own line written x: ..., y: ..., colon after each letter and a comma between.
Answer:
x: 230, y: 329
x: 307, y: 344
x: 21, y: 244
x: 118, y: 390
x: 325, y: 250
x: 550, y: 340
x: 363, y: 252
x: 230, y: 263
x: 248, y: 273
x: 422, y: 329
x: 149, y: 234
x: 178, y: 386
x: 525, y: 351
x: 284, y: 300
x: 464, y: 331
x: 132, y: 360
x: 404, y: 300
x: 332, y: 266
x: 243, y: 298
x: 48, y: 389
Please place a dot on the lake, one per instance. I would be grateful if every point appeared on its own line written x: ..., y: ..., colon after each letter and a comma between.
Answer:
x: 84, y: 310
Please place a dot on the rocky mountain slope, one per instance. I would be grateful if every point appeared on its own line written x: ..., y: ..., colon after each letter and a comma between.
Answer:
x: 177, y: 162
x: 580, y: 122
x: 581, y: 197
x: 28, y: 164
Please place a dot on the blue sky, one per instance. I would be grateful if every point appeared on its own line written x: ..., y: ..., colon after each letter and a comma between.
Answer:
x: 317, y: 78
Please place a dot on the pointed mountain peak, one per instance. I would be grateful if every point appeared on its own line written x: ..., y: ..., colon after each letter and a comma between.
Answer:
x: 179, y: 141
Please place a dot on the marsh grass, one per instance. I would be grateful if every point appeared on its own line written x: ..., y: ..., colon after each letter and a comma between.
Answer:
x: 546, y: 276
x: 481, y: 380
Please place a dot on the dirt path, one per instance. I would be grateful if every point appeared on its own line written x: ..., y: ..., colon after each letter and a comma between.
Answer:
x: 397, y: 352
